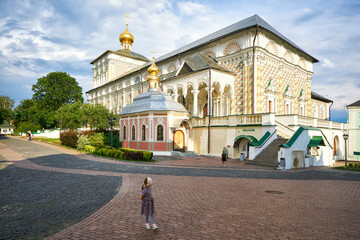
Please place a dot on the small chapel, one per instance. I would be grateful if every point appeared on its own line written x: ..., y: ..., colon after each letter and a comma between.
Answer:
x: 245, y: 87
x: 154, y: 121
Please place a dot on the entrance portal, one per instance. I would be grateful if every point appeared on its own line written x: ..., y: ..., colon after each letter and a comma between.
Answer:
x: 179, y: 141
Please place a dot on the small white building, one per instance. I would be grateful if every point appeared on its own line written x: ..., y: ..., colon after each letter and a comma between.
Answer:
x: 6, y: 128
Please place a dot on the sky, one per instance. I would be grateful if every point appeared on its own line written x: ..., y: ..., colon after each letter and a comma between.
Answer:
x: 38, y: 37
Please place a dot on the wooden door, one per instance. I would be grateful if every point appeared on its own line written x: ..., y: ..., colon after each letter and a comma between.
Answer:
x: 179, y: 142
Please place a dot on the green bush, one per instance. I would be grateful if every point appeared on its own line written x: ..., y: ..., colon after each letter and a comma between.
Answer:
x: 148, y: 156
x: 69, y: 139
x: 97, y: 140
x: 116, y: 141
x: 123, y: 153
x: 108, y: 152
x: 350, y: 165
x: 82, y: 142
x: 90, y: 149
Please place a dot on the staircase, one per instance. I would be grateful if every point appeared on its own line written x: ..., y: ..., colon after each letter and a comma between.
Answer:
x: 269, y: 156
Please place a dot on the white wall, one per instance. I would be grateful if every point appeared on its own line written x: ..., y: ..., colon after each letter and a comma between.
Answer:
x: 325, y: 157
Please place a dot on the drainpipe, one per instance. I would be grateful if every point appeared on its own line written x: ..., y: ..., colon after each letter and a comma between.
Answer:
x: 330, y: 111
x: 141, y: 80
x: 254, y: 91
x: 209, y: 109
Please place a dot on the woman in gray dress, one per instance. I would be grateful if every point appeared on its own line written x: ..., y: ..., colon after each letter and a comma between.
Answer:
x: 147, y: 206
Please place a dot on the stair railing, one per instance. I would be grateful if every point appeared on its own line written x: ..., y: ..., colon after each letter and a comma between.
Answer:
x: 256, y: 150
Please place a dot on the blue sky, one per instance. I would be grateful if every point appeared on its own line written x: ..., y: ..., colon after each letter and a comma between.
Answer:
x: 38, y: 37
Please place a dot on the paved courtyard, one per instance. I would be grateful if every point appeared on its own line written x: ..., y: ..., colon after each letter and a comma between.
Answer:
x: 56, y: 193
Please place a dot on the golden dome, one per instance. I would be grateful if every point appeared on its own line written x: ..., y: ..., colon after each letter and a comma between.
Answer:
x: 153, y: 69
x: 126, y: 37
x: 153, y: 78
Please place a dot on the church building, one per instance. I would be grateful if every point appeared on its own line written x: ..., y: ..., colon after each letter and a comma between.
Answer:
x: 245, y: 87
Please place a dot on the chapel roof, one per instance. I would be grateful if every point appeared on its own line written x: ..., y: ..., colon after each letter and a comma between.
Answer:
x: 317, y: 96
x: 355, y: 104
x: 153, y: 101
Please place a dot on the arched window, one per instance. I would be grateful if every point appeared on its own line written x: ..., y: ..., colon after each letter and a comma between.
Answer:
x: 160, y: 133
x: 124, y: 133
x: 143, y: 133
x: 133, y: 133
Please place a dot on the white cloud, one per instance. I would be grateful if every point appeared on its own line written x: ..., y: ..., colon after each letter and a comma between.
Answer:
x: 41, y: 36
x: 327, y: 63
x: 342, y: 94
x: 192, y: 8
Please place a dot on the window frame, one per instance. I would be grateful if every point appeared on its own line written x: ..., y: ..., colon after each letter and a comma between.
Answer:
x: 133, y: 133
x: 143, y: 133
x: 124, y: 133
x: 162, y: 134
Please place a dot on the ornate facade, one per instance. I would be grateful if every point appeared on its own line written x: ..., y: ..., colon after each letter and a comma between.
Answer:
x: 244, y: 72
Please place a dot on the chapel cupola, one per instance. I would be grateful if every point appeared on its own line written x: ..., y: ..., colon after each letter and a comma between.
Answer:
x: 126, y: 38
x: 153, y: 79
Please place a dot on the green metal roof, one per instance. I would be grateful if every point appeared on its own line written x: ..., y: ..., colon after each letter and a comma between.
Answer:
x: 250, y: 138
x: 316, y: 141
x: 262, y: 140
x: 296, y: 135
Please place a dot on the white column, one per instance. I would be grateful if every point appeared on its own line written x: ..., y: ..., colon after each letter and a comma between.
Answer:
x: 228, y: 106
x: 209, y: 101
x: 221, y: 110
x: 132, y: 95
x: 195, y: 110
x: 175, y: 96
x: 215, y: 107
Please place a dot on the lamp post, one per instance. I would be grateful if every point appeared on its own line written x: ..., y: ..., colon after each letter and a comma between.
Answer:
x: 111, y: 122
x: 346, y: 136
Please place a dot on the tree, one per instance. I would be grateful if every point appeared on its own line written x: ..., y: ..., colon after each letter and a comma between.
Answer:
x: 25, y: 112
x: 50, y: 93
x: 6, y: 102
x: 6, y: 105
x: 96, y: 116
x: 70, y: 115
x: 56, y: 89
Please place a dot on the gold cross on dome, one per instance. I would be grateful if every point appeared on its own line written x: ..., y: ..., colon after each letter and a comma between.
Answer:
x: 153, y: 52
x: 127, y: 17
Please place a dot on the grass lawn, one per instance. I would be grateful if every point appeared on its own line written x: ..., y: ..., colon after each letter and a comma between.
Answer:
x: 49, y: 140
x: 352, y: 168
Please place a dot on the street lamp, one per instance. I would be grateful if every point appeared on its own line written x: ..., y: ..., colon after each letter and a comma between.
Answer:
x: 111, y: 122
x: 346, y: 136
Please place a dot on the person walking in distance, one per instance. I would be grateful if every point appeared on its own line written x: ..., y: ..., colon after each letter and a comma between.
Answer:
x: 147, y: 206
x: 223, y: 157
x: 28, y: 135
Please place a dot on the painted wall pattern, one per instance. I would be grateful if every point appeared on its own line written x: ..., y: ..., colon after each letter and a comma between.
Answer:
x: 237, y: 67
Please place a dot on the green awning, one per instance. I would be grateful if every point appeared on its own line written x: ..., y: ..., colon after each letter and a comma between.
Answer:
x: 316, y: 141
x: 250, y: 138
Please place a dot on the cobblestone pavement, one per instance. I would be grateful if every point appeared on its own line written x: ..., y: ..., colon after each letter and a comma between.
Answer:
x: 193, y: 200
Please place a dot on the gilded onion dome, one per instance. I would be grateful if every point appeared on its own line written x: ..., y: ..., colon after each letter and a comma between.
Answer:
x: 153, y: 78
x: 126, y: 37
